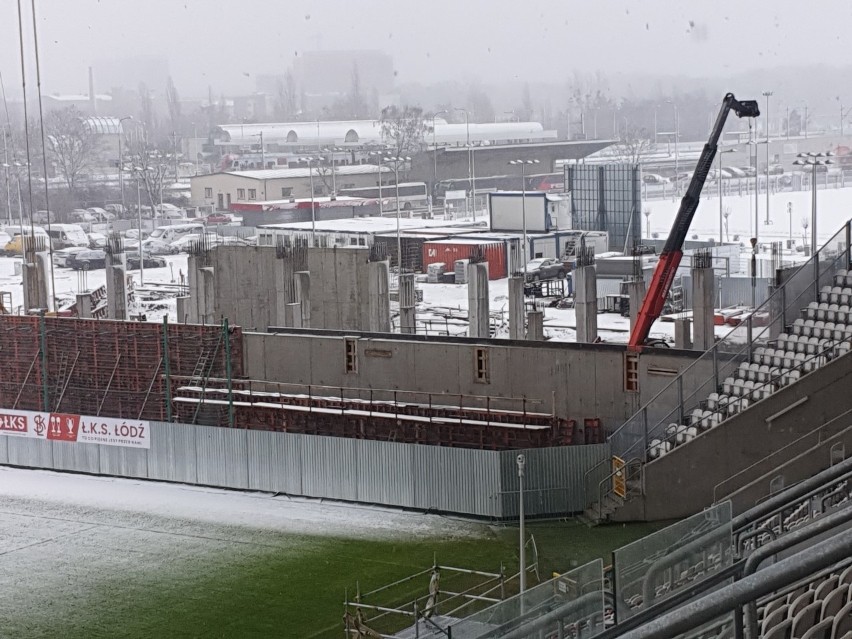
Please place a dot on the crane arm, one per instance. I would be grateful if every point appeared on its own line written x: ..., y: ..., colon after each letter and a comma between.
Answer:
x: 664, y: 273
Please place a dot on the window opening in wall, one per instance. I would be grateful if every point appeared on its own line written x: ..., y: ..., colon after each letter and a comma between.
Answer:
x: 208, y: 191
x: 351, y: 346
x: 631, y: 372
x: 481, y: 365
x: 241, y: 194
x: 252, y: 194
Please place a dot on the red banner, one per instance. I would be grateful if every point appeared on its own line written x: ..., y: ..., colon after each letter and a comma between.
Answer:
x: 64, y: 427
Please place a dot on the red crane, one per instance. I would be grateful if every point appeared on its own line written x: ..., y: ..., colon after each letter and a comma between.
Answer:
x: 655, y: 298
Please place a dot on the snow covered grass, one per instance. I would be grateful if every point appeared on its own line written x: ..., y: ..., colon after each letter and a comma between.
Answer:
x: 99, y: 557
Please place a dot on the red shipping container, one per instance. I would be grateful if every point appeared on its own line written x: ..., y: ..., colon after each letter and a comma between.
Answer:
x: 448, y: 251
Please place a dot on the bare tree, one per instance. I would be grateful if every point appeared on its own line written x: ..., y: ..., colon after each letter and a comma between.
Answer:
x: 148, y: 165
x: 357, y: 105
x: 147, y: 114
x: 72, y: 143
x: 634, y: 143
x: 402, y: 129
x: 173, y: 101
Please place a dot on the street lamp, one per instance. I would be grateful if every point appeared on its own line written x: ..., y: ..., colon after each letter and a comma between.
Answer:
x: 6, y: 168
x: 435, y: 148
x: 395, y: 162
x: 676, y: 136
x: 814, y: 160
x: 331, y: 151
x: 262, y: 152
x: 310, y: 162
x: 121, y: 159
x: 767, y: 95
x: 137, y: 171
x: 471, y: 171
x: 522, y: 550
x: 721, y: 214
x: 380, y: 155
x: 523, y: 164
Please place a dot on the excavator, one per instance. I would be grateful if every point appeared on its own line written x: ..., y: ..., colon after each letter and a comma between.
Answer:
x: 655, y: 298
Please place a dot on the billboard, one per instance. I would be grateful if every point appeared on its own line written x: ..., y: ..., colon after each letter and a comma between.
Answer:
x: 64, y: 427
x: 507, y: 211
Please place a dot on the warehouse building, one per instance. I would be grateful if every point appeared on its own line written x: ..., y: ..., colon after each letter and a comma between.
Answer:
x: 221, y: 189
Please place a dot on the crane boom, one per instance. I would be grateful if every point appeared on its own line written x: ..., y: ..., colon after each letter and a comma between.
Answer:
x: 655, y: 298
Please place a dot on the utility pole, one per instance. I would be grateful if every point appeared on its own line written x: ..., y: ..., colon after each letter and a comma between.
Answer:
x: 767, y: 95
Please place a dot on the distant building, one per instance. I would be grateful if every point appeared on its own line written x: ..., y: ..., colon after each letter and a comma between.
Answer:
x: 326, y: 76
x: 84, y: 103
x: 223, y: 189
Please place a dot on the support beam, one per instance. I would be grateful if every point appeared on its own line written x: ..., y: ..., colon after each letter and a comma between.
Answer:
x: 378, y: 296
x: 703, y: 305
x: 407, y: 304
x: 477, y: 300
x: 586, y: 303
x: 517, y: 330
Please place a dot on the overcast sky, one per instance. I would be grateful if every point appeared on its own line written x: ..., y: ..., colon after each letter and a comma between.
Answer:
x: 223, y: 43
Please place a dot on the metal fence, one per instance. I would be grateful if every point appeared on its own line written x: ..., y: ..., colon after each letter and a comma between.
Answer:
x: 434, y: 478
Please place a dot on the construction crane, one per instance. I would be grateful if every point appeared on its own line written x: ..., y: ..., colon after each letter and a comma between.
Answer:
x: 664, y: 273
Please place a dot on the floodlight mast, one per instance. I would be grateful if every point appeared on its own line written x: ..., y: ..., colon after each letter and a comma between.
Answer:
x: 655, y: 299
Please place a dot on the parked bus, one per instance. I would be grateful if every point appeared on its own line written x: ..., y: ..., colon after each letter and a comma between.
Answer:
x: 412, y: 195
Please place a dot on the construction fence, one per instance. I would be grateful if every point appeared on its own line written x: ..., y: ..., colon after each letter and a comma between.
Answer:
x: 478, y: 483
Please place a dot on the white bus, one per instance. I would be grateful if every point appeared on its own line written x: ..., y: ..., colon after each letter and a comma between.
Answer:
x: 412, y: 195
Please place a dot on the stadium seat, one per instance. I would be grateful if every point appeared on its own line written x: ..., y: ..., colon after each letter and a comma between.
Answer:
x: 824, y: 294
x: 822, y: 311
x: 843, y: 621
x: 763, y: 373
x: 832, y: 312
x: 812, y: 347
x: 805, y: 619
x: 845, y: 295
x: 819, y: 327
x: 829, y: 584
x: 846, y: 576
x: 780, y: 630
x: 728, y: 386
x: 821, y: 630
x: 797, y: 327
x: 753, y: 370
x: 743, y: 370
x: 806, y: 597
x: 811, y: 311
x: 775, y: 617
x: 834, y: 601
x: 808, y: 328
x: 834, y: 297
x: 840, y: 277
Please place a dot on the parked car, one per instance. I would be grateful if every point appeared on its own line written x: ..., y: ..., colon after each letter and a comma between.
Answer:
x: 218, y: 218
x: 97, y: 240
x: 133, y: 234
x: 116, y: 209
x: 149, y: 261
x: 63, y: 256
x: 176, y: 231
x: 545, y: 268
x: 87, y: 260
x: 15, y: 246
x: 5, y: 238
x: 81, y: 215
x: 157, y: 246
x: 65, y: 235
x: 776, y: 169
x: 785, y: 180
x: 185, y: 243
x: 100, y: 215
x: 747, y: 171
x: 170, y: 211
x: 653, y: 178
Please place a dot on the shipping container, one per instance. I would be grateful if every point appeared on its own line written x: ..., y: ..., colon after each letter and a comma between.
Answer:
x: 449, y: 251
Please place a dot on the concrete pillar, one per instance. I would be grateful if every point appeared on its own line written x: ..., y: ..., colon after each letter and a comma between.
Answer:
x: 183, y: 309
x: 116, y: 285
x: 703, y: 306
x: 516, y: 307
x: 378, y: 297
x: 84, y: 305
x: 293, y: 315
x: 586, y: 303
x: 683, y: 330
x: 636, y: 292
x: 202, y: 292
x: 535, y: 328
x: 35, y: 275
x: 303, y: 296
x: 477, y: 300
x: 407, y: 304
x: 208, y: 311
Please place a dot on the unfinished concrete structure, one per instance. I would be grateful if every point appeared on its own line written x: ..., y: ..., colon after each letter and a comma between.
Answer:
x: 636, y: 293
x: 703, y: 301
x: 116, y: 279
x: 477, y: 300
x: 586, y: 296
x: 35, y: 272
x: 407, y: 304
x: 255, y: 287
x: 517, y: 329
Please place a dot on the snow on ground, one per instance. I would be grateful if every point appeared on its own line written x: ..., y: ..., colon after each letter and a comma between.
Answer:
x: 64, y: 539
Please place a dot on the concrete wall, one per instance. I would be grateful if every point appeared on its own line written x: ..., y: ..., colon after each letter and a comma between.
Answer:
x: 682, y: 482
x: 575, y: 381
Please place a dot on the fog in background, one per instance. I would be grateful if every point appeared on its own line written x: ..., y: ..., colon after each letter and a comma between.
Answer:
x: 224, y: 43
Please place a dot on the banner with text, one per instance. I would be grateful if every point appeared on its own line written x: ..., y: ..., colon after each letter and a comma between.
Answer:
x: 75, y: 428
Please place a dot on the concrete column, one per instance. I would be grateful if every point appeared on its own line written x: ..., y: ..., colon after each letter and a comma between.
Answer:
x: 378, y: 297
x: 636, y: 291
x: 407, y: 304
x: 293, y: 315
x: 184, y: 308
x: 35, y: 280
x: 202, y: 292
x: 116, y: 285
x: 535, y: 328
x: 683, y: 333
x: 84, y: 305
x: 703, y: 305
x: 516, y: 308
x: 586, y: 303
x: 303, y: 296
x: 208, y: 311
x: 477, y: 300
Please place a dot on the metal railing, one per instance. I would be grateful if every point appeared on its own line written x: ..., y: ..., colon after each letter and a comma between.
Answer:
x: 675, y: 402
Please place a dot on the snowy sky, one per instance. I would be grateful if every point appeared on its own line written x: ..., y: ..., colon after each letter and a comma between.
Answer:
x: 225, y: 42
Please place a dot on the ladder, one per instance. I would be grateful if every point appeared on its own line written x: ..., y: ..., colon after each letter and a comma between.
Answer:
x: 201, y: 374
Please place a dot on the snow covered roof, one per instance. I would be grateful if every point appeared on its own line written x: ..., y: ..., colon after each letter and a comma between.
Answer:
x: 373, y: 225
x: 303, y: 172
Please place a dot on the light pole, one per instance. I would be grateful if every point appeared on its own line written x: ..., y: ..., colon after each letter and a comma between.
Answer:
x: 522, y: 550
x: 6, y: 168
x: 767, y: 95
x: 721, y: 214
x: 137, y: 171
x: 435, y: 149
x: 380, y: 155
x: 471, y: 180
x: 523, y: 164
x: 313, y: 207
x: 814, y: 160
x: 331, y: 151
x: 262, y: 152
x: 676, y: 135
x: 121, y: 159
x: 843, y: 113
x: 395, y: 162
x: 195, y: 145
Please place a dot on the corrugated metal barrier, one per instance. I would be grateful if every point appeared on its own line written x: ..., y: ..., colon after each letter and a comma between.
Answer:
x: 479, y: 483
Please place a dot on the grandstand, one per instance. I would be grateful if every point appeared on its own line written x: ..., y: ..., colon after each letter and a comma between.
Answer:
x: 782, y: 569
